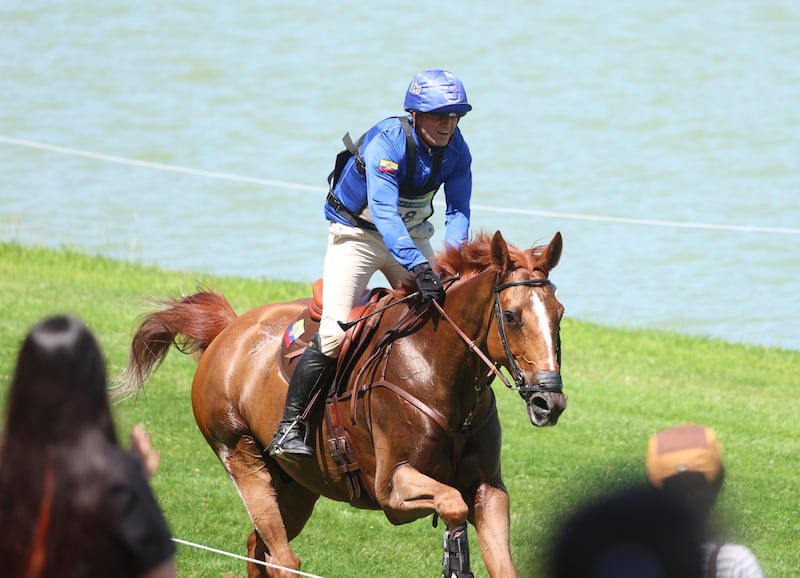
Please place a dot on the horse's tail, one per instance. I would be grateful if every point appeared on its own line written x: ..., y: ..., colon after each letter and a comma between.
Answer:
x: 190, y: 323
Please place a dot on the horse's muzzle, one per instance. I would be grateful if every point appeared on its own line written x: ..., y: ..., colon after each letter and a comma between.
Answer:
x: 546, y: 402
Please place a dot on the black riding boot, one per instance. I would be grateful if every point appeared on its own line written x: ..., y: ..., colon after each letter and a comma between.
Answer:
x: 289, y: 443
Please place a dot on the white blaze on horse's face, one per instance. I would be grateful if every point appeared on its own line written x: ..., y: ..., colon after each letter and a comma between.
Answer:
x: 545, y: 328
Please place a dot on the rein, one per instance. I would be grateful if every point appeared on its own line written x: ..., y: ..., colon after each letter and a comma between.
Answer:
x: 473, y: 347
x: 349, y: 324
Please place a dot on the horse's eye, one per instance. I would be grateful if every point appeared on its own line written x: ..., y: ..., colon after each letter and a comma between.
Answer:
x: 509, y: 317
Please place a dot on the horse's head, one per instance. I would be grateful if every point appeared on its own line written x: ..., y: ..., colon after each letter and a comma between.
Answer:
x: 527, y: 317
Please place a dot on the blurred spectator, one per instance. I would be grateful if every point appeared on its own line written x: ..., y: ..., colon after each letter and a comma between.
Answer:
x: 73, y: 503
x: 143, y: 451
x: 634, y: 532
x: 686, y: 461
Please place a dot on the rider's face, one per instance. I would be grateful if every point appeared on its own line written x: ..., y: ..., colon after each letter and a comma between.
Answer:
x: 435, y: 129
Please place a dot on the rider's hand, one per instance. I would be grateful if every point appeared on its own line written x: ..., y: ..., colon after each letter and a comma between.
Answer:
x: 429, y: 283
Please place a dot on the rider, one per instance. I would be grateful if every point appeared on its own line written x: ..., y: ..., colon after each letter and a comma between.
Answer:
x: 378, y: 208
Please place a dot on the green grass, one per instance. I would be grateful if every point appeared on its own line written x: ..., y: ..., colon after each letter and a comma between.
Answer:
x: 622, y: 386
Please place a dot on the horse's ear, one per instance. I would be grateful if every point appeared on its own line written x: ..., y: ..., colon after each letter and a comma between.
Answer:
x: 499, y: 252
x: 552, y: 254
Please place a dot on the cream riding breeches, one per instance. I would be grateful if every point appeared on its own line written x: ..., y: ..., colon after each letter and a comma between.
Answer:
x: 353, y: 256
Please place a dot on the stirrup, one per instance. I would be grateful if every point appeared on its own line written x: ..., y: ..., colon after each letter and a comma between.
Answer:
x: 288, y: 444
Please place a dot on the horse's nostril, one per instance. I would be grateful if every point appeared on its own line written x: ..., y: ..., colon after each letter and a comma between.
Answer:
x: 539, y: 411
x: 540, y: 402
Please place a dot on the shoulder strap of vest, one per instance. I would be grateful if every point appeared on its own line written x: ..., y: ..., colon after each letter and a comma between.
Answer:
x: 411, y: 157
x: 411, y: 150
x: 354, y: 148
x: 438, y: 155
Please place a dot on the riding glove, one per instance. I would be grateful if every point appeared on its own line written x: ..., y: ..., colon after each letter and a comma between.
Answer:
x: 429, y: 283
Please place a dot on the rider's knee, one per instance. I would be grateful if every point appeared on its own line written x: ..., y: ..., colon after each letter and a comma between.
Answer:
x: 328, y: 340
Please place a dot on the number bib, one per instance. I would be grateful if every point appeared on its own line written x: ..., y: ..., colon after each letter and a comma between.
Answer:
x: 413, y: 210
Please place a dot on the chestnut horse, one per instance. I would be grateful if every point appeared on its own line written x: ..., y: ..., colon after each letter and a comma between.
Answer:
x: 412, y: 426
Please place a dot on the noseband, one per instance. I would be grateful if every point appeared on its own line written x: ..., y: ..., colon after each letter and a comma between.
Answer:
x: 546, y: 381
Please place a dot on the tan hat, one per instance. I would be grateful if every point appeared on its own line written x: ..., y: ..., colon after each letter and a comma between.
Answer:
x: 684, y: 448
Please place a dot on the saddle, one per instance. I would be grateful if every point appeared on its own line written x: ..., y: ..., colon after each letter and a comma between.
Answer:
x: 296, y: 338
x: 299, y: 332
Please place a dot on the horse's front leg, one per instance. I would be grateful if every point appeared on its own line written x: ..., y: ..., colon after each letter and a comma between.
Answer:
x: 406, y: 494
x: 409, y: 494
x: 492, y: 522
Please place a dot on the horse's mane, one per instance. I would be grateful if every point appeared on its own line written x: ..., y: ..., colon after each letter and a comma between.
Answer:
x: 475, y: 256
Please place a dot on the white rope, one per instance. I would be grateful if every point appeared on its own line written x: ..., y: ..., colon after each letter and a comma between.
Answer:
x: 152, y: 165
x: 684, y: 224
x: 299, y: 186
x: 261, y: 562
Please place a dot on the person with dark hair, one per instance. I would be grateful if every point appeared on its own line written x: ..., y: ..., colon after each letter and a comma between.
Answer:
x: 634, y: 532
x: 379, y: 205
x: 686, y: 461
x: 73, y: 503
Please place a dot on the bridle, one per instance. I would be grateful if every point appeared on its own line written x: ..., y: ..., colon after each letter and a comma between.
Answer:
x: 546, y: 381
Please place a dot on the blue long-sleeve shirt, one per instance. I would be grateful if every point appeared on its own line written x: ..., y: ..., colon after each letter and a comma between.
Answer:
x: 376, y: 195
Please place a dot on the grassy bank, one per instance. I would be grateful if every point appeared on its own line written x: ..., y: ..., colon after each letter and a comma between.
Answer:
x: 622, y: 386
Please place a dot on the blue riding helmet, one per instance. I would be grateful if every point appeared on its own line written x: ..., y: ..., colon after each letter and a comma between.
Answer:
x: 437, y: 91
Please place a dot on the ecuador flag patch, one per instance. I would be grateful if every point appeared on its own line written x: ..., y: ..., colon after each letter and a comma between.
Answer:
x: 293, y: 332
x: 387, y: 166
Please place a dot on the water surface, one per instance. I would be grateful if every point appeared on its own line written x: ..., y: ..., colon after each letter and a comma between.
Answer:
x: 643, y: 112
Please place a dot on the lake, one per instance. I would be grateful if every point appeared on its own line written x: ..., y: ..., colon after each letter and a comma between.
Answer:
x: 661, y: 138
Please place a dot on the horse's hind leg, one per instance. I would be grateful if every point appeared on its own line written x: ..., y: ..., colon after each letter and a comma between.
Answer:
x: 278, y: 507
x: 256, y: 550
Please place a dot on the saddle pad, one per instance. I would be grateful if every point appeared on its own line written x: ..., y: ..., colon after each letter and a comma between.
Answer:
x: 296, y: 338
